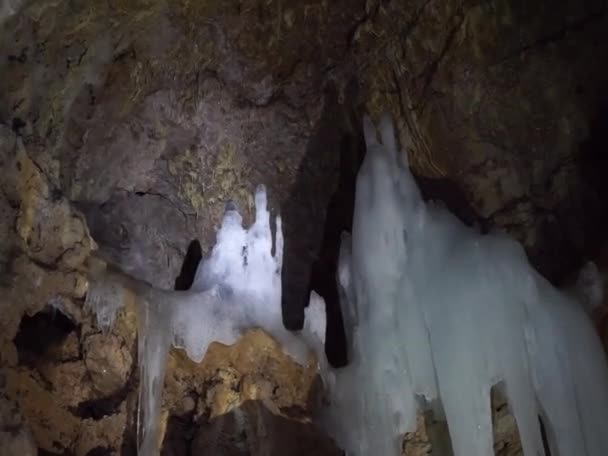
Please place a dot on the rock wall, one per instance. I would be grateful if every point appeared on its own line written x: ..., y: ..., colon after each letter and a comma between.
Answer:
x: 126, y: 125
x: 68, y: 388
x: 506, y: 99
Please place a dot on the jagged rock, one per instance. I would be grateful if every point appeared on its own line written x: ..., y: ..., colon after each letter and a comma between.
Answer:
x: 108, y: 361
x: 255, y: 368
x: 50, y: 230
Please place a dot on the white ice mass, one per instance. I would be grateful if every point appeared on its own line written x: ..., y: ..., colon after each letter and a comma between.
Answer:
x: 238, y: 287
x: 436, y: 314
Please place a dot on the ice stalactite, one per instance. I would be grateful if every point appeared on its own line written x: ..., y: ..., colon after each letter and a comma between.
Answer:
x: 238, y: 287
x: 437, y: 314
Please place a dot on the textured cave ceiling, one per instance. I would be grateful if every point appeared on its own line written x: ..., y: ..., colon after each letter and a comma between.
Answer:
x: 150, y: 114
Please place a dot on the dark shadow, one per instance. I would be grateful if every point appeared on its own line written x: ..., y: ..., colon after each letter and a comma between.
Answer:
x: 100, y: 451
x: 545, y: 437
x: 43, y: 452
x: 193, y: 257
x: 252, y: 429
x: 338, y: 219
x: 318, y: 209
x: 39, y: 333
x: 438, y: 434
x: 180, y: 434
x: 452, y: 196
x: 98, y: 408
x: 593, y: 168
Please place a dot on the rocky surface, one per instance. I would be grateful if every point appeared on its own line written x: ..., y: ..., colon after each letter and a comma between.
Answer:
x: 68, y: 388
x: 127, y: 124
x: 506, y: 100
x: 150, y: 114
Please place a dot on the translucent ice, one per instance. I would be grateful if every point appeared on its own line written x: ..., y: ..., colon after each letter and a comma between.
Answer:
x: 238, y: 287
x: 437, y: 314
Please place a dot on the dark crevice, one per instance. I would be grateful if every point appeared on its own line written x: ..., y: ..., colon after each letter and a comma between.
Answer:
x: 451, y: 195
x: 439, y: 434
x: 21, y: 58
x: 251, y: 429
x: 99, y: 408
x: 101, y: 451
x: 41, y: 332
x: 593, y: 168
x: 142, y: 193
x: 193, y: 257
x: 43, y: 452
x: 180, y: 434
x: 543, y: 433
x: 338, y: 219
x: 17, y: 125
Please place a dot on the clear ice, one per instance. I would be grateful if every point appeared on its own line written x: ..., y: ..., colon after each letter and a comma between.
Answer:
x: 436, y: 314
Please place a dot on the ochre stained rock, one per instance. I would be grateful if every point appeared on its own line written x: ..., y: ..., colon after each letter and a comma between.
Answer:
x: 108, y: 361
x: 50, y: 230
x: 255, y: 368
x: 52, y: 425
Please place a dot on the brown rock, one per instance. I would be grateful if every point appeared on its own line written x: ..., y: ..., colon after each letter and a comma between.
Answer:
x: 69, y: 382
x: 253, y: 429
x: 148, y: 115
x: 53, y: 427
x: 51, y: 231
x: 255, y: 368
x: 105, y: 433
x: 108, y: 361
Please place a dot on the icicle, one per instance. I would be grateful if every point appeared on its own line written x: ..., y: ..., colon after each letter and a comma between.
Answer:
x: 104, y: 298
x: 153, y: 344
x: 437, y: 312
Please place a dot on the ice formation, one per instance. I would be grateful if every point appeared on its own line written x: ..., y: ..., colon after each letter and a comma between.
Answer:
x: 436, y: 314
x: 236, y: 288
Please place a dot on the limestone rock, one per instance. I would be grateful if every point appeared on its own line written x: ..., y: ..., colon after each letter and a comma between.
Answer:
x: 108, y: 361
